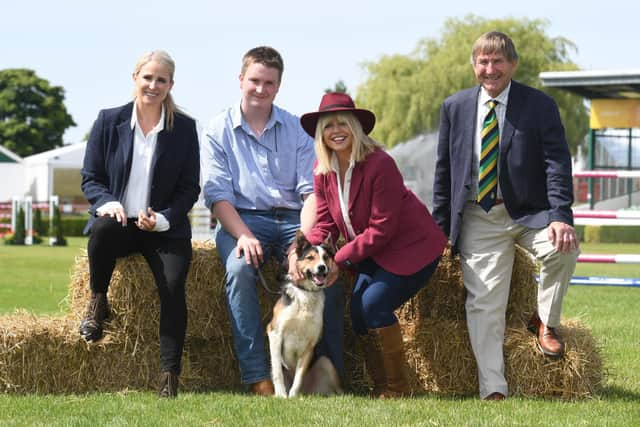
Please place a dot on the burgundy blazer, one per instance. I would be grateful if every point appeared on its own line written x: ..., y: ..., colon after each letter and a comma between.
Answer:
x: 391, y: 224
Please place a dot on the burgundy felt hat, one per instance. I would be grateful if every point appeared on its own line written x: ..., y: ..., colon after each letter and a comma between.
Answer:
x: 335, y: 102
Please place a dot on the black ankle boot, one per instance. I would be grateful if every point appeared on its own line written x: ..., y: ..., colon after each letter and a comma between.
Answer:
x: 168, y: 385
x: 97, y: 312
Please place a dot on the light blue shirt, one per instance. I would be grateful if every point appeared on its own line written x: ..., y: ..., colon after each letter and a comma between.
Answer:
x: 250, y: 172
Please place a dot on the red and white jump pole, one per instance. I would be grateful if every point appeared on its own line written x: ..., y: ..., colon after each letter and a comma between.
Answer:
x: 589, y: 217
x: 610, y: 258
x: 607, y: 174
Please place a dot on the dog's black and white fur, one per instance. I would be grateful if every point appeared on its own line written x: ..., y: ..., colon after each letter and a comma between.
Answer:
x: 296, y: 327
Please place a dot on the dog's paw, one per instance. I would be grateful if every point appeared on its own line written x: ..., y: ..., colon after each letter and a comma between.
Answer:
x: 279, y: 390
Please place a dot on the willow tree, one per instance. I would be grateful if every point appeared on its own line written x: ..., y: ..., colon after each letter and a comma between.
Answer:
x: 406, y: 91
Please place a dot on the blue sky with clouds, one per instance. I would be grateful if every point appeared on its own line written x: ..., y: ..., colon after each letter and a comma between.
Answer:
x: 90, y: 48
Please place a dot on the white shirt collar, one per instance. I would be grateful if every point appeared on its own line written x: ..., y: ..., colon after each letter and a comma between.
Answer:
x: 134, y: 119
x: 502, y: 98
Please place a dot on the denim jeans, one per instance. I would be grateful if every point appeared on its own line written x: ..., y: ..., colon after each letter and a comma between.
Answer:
x: 378, y: 293
x: 275, y: 229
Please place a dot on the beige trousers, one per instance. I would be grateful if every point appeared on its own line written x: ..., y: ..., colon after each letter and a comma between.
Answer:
x: 487, y: 250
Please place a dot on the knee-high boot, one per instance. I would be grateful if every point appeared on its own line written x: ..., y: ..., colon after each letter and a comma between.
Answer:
x: 385, y: 361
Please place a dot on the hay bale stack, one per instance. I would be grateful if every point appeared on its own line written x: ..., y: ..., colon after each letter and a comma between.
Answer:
x: 46, y: 355
x: 440, y: 354
x: 444, y: 297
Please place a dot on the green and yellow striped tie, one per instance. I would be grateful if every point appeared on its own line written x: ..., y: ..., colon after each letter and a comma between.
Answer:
x: 488, y: 176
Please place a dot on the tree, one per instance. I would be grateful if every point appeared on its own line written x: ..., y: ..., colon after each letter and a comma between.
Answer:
x: 33, y: 117
x: 407, y: 91
x: 339, y: 86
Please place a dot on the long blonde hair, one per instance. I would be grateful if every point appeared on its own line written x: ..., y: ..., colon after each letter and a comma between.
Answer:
x: 361, y: 147
x: 170, y: 108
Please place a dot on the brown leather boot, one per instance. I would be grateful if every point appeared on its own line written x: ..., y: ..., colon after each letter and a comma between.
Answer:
x: 168, y: 386
x: 386, y: 362
x: 262, y: 388
x: 97, y: 312
x: 373, y: 362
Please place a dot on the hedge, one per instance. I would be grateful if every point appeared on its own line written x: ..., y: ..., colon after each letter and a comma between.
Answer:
x: 610, y: 234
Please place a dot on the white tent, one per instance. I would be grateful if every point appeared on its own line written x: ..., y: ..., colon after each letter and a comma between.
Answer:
x: 11, y: 174
x: 55, y: 171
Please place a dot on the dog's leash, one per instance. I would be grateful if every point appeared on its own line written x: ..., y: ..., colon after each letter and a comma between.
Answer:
x: 266, y: 287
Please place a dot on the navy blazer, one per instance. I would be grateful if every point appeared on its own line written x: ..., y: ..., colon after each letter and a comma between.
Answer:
x: 534, y: 160
x: 175, y: 167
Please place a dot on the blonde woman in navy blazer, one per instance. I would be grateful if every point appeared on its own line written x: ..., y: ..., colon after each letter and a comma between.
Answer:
x: 141, y: 175
x: 391, y: 240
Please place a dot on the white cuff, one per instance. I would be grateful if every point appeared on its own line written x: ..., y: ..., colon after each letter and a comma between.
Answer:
x: 162, y: 224
x: 107, y: 206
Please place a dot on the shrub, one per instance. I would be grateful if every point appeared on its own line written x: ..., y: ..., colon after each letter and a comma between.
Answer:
x: 56, y: 233
x: 20, y: 232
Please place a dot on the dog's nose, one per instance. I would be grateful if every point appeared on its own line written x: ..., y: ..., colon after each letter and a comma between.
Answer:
x: 322, y: 268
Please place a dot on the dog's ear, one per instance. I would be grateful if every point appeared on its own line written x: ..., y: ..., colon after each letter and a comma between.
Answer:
x: 302, y: 244
x: 328, y: 245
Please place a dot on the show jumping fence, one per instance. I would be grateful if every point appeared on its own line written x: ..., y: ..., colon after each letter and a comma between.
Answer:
x: 604, y: 218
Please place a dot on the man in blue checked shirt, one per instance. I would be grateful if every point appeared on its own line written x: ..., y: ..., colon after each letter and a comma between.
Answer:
x: 257, y: 164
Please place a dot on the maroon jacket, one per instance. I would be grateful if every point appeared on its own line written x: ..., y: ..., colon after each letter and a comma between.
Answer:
x: 391, y: 224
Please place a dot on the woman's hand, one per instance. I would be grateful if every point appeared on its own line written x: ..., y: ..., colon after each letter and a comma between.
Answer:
x: 294, y: 273
x: 117, y: 212
x: 146, y: 222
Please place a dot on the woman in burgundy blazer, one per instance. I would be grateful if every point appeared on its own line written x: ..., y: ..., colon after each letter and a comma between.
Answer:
x: 391, y: 240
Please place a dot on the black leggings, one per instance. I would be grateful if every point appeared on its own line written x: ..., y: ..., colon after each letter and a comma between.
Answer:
x: 169, y: 260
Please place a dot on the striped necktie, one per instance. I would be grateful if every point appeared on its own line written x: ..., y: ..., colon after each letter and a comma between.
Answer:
x: 488, y: 176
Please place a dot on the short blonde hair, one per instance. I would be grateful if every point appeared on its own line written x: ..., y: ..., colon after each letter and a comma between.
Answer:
x: 362, y: 145
x: 163, y: 58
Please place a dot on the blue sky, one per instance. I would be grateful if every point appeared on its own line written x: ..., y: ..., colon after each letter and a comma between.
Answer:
x: 90, y: 48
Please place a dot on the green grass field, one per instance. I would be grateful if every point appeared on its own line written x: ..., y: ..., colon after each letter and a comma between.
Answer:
x: 36, y: 278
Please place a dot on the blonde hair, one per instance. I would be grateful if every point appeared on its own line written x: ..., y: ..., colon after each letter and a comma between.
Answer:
x: 361, y: 147
x: 170, y: 108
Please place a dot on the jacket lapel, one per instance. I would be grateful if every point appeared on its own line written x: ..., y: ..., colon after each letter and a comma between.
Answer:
x: 125, y: 138
x: 162, y: 144
x: 356, y: 183
x: 511, y: 117
x: 469, y: 109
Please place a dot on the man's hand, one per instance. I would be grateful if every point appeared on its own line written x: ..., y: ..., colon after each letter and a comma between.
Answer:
x: 562, y: 236
x: 251, y: 248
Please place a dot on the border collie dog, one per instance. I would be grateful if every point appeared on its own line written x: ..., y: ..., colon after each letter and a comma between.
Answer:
x: 296, y: 327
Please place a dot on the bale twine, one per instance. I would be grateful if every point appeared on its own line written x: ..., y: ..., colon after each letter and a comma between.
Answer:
x: 47, y: 355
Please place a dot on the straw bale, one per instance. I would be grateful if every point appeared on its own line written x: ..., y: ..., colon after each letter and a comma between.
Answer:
x: 444, y: 296
x: 440, y: 354
x: 46, y: 354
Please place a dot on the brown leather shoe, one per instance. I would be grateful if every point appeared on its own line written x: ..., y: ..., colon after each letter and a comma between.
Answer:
x: 495, y: 396
x: 168, y: 387
x: 549, y: 341
x: 262, y: 388
x: 97, y: 312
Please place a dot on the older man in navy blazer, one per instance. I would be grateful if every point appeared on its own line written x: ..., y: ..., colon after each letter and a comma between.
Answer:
x: 503, y: 177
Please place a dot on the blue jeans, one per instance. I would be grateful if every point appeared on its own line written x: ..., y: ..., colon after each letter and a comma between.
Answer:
x: 378, y: 293
x: 275, y: 229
